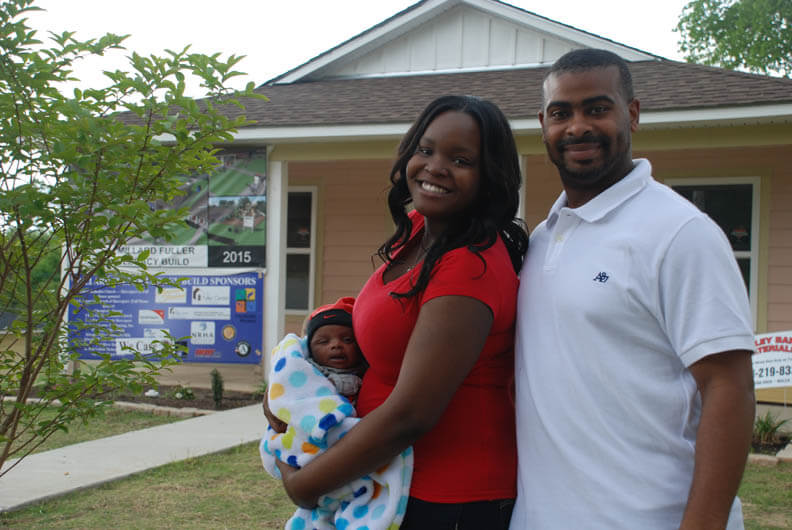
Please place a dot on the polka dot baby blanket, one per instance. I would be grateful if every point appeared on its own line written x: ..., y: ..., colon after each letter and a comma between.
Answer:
x: 317, y: 417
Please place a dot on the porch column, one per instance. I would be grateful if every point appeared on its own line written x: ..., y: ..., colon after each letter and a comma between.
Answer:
x: 275, y: 280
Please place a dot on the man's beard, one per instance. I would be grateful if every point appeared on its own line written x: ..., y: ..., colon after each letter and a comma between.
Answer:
x: 598, y: 176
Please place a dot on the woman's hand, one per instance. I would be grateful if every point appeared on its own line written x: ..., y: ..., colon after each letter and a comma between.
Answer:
x: 288, y: 477
x: 438, y: 345
x: 287, y: 472
x: 276, y: 423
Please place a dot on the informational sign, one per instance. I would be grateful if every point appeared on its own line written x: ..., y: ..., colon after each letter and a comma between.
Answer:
x: 772, y: 362
x: 218, y: 318
x: 170, y: 255
x: 225, y: 224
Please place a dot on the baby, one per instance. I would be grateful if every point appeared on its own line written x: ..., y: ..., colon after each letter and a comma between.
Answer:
x: 332, y: 347
x: 313, y: 385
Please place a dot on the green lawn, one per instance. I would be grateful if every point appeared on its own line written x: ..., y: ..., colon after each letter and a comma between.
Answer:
x: 229, y: 182
x: 114, y: 421
x: 242, y: 238
x: 233, y: 180
x: 183, y: 234
x: 224, y: 490
x: 766, y: 494
x: 231, y: 490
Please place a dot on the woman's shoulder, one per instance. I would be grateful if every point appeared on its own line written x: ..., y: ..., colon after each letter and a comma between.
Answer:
x: 491, y: 268
x: 496, y: 254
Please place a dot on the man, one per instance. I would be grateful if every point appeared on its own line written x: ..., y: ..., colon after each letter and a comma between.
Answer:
x: 634, y: 384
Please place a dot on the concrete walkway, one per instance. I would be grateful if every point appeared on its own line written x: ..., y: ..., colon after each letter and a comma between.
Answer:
x: 52, y: 473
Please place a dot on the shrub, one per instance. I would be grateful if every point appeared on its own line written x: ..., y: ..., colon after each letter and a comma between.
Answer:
x: 182, y: 392
x: 217, y: 387
x: 767, y: 428
x: 78, y: 173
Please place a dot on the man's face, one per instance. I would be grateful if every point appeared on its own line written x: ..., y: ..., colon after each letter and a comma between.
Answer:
x: 587, y: 126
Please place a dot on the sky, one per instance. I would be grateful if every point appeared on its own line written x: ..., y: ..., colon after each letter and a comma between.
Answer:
x: 277, y: 35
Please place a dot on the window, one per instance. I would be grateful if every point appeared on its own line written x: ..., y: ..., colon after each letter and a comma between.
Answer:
x: 733, y: 203
x: 300, y: 243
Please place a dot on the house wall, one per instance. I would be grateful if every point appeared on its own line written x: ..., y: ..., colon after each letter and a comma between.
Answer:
x: 352, y: 222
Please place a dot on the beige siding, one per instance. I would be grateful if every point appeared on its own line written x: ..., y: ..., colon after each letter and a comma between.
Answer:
x: 352, y: 222
x: 541, y: 188
x: 293, y: 324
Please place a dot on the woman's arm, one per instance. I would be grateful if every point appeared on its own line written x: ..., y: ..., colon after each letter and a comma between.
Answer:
x: 446, y: 342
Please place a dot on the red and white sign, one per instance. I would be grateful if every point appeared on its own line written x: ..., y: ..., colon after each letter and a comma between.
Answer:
x: 772, y: 362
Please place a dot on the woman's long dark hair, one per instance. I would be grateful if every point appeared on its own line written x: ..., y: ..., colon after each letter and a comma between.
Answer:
x: 491, y: 213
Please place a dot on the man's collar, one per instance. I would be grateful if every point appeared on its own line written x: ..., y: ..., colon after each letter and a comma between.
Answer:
x: 599, y: 206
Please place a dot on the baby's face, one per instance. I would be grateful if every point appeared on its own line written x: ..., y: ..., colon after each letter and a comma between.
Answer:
x: 335, y: 346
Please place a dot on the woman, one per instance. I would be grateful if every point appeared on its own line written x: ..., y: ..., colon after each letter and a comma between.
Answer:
x: 436, y: 324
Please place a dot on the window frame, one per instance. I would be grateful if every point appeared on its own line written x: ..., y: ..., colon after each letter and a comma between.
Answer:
x: 310, y: 250
x: 753, y: 253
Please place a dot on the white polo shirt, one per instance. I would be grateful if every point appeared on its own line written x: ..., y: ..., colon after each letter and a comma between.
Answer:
x: 617, y: 298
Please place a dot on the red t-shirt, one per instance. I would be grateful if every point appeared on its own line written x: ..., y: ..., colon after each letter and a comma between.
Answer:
x: 471, y: 453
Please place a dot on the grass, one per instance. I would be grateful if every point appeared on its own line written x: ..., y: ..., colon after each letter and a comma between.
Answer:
x: 766, y: 494
x: 231, y: 490
x: 114, y: 421
x: 224, y: 490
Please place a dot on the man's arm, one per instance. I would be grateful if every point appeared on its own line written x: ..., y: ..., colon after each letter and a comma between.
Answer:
x: 725, y: 381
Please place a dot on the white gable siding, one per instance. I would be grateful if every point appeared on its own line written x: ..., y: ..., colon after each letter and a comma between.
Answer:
x: 503, y: 37
x: 451, y: 35
x: 461, y: 38
x: 529, y: 48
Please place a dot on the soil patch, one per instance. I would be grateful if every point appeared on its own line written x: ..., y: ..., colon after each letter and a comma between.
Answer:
x: 769, y: 448
x: 201, y: 398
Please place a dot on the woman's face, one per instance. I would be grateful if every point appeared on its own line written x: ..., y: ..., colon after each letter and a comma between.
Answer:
x: 443, y: 174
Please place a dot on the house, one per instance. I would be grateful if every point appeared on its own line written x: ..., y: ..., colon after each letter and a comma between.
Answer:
x: 332, y: 125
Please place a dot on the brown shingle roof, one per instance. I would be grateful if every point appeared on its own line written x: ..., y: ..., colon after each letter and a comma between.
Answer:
x: 660, y: 85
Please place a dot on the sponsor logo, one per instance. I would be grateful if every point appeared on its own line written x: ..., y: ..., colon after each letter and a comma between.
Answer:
x: 127, y: 347
x: 151, y: 316
x: 211, y: 295
x: 202, y: 332
x: 242, y: 348
x: 155, y: 333
x: 199, y: 313
x: 206, y: 352
x: 229, y: 332
x: 170, y: 295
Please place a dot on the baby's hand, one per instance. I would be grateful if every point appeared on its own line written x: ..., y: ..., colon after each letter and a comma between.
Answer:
x: 276, y: 423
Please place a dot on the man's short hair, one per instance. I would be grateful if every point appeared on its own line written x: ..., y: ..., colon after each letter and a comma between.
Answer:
x: 589, y: 58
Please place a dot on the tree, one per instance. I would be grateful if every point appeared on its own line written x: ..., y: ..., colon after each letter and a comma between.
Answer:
x: 77, y: 175
x: 752, y: 34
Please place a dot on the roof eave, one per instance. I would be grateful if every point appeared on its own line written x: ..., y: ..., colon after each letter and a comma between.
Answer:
x: 665, y: 119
